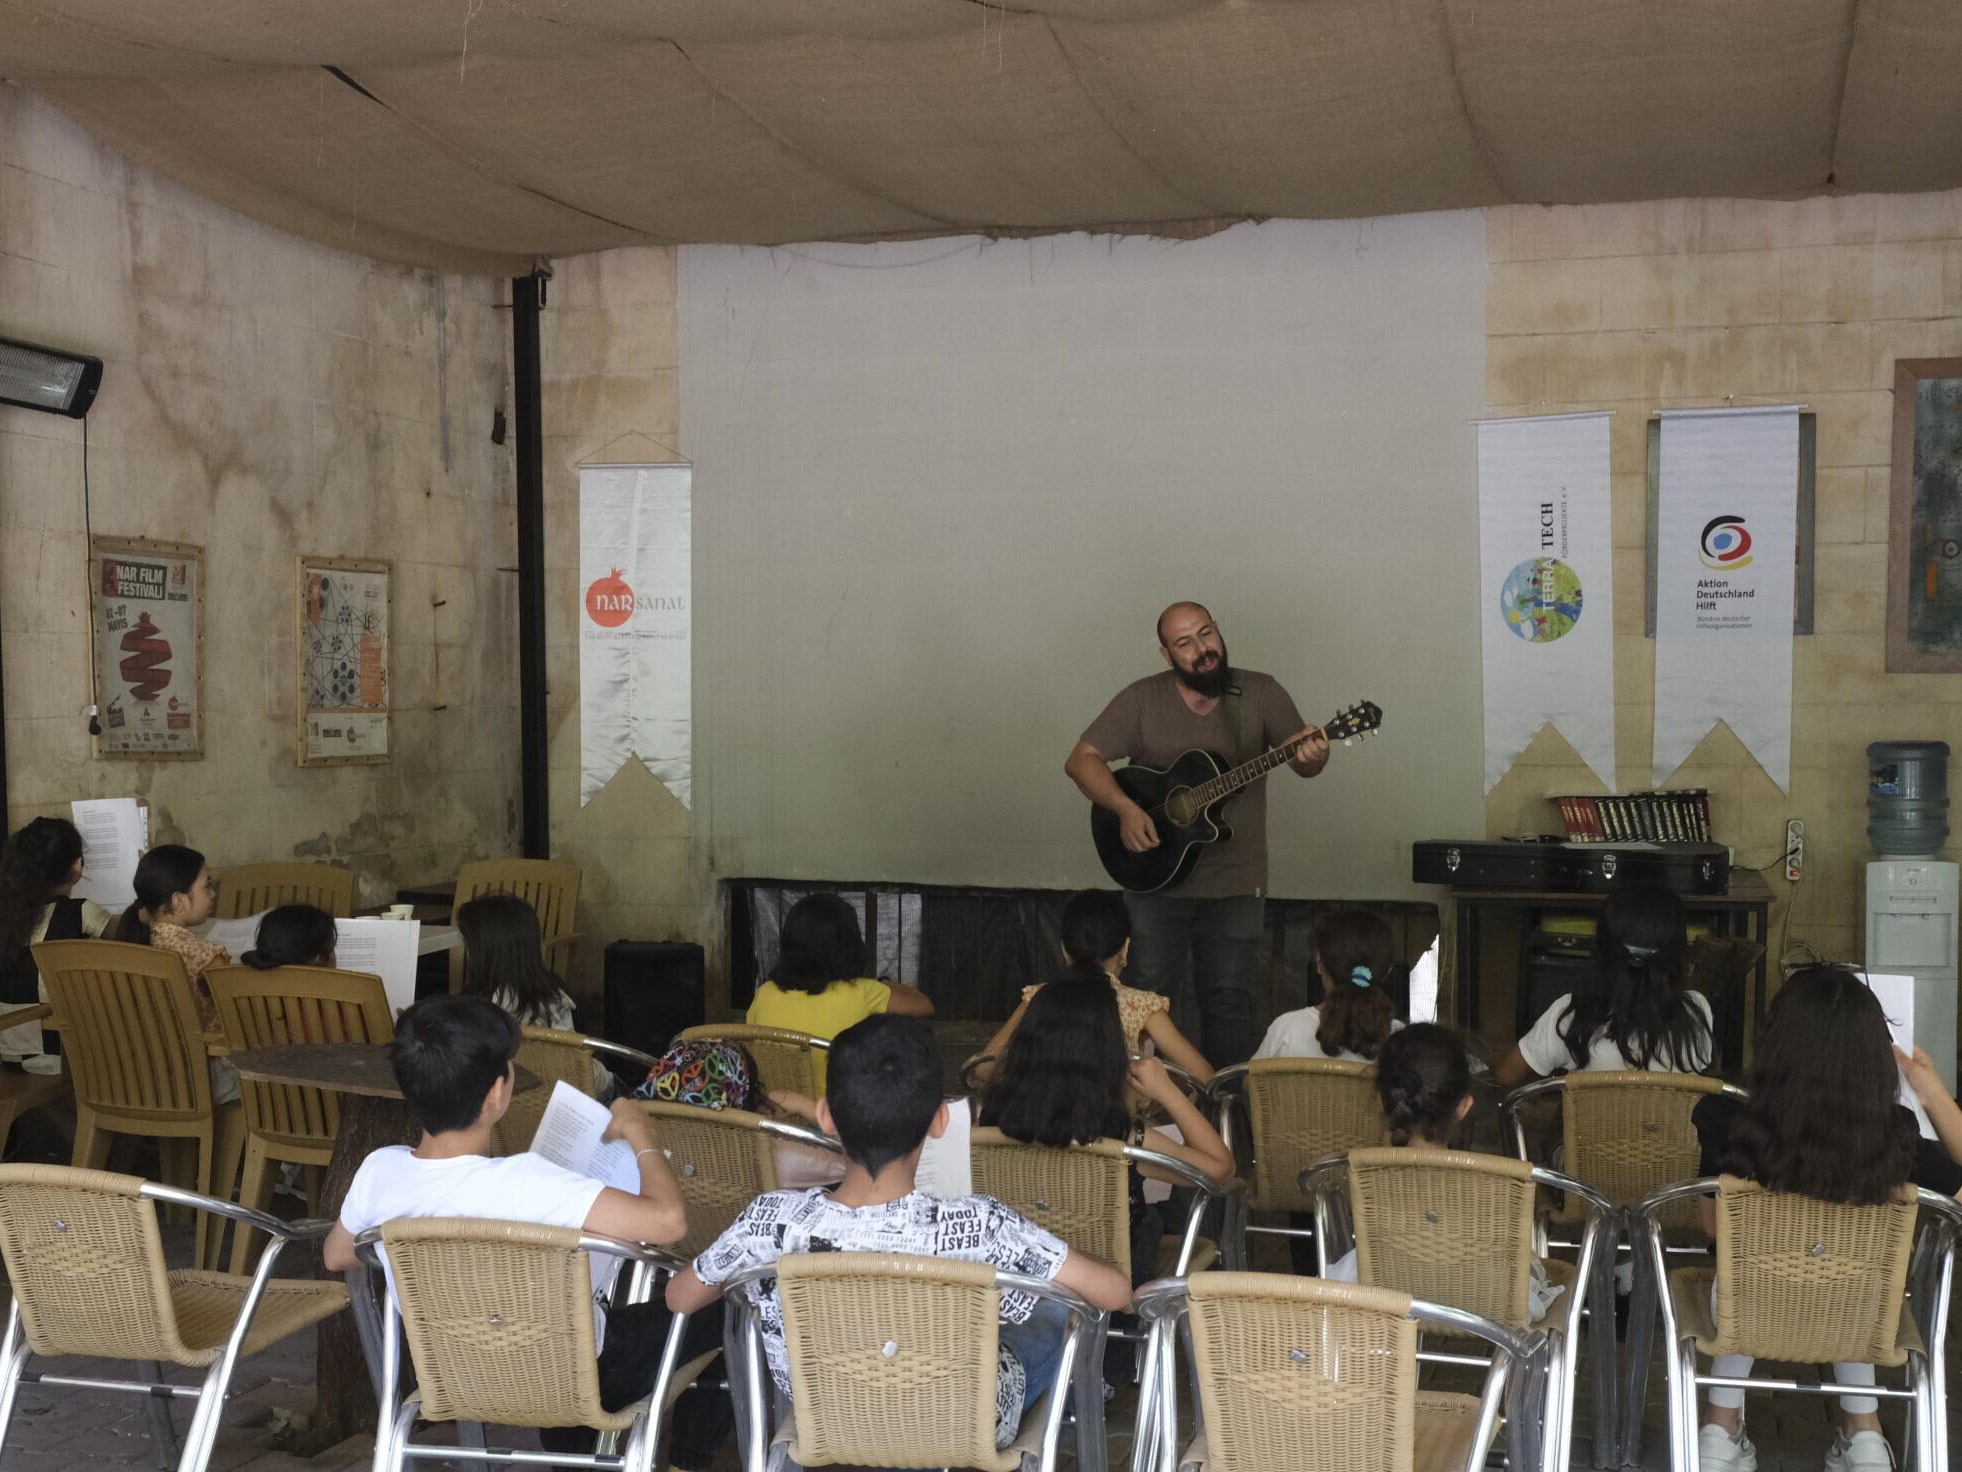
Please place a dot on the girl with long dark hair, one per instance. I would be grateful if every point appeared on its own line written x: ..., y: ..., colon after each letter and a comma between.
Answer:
x: 174, y: 894
x: 1823, y: 1120
x: 1355, y: 954
x: 819, y: 985
x: 1096, y: 947
x: 504, y: 962
x: 1634, y: 1011
x: 40, y: 865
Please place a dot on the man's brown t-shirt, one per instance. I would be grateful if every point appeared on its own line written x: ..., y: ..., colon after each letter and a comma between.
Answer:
x: 1149, y: 722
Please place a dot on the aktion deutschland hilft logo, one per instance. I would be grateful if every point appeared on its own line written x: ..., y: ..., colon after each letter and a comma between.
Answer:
x: 1726, y: 545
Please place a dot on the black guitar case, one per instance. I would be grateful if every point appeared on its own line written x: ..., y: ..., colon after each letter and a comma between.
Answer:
x: 1582, y: 868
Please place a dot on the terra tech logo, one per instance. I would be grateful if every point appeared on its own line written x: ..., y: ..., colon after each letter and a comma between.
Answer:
x: 609, y: 601
x: 1726, y: 544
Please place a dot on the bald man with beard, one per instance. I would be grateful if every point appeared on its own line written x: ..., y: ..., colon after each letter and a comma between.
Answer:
x: 1198, y: 941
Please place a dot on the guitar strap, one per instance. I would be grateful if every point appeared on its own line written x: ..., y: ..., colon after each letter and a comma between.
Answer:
x: 1230, y: 702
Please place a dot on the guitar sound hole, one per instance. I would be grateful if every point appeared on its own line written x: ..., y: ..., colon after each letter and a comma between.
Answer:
x: 1179, y: 806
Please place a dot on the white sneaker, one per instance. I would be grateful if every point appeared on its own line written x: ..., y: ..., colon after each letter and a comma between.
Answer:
x: 1718, y: 1450
x: 1863, y: 1451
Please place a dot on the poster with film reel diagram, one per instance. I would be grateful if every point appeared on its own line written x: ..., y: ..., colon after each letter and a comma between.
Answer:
x: 344, y: 661
x: 148, y: 645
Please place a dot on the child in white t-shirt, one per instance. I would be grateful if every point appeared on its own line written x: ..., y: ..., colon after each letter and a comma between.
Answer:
x: 1356, y: 957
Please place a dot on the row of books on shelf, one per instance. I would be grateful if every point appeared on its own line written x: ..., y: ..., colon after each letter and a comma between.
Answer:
x: 1639, y: 817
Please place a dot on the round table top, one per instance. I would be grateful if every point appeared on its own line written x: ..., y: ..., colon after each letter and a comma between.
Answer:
x: 345, y: 1068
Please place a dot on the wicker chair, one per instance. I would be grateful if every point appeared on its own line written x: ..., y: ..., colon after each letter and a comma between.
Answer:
x: 551, y: 889
x: 553, y: 1056
x: 21, y: 1090
x: 724, y: 1159
x: 892, y: 1364
x: 141, y: 1062
x: 1809, y: 1282
x: 498, y: 1318
x: 87, y: 1270
x: 1626, y: 1135
x: 1457, y: 1228
x: 1299, y: 1111
x: 1295, y: 1372
x: 250, y: 889
x: 785, y: 1058
x: 283, y: 1122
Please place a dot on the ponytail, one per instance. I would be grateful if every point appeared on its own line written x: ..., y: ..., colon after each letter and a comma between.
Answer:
x: 1422, y: 1079
x: 166, y: 870
x: 1095, y: 927
x: 1359, y: 954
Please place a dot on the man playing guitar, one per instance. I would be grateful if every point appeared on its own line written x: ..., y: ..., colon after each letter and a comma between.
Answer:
x: 1205, y: 929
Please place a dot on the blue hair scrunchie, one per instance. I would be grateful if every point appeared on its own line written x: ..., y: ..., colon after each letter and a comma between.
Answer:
x: 1359, y: 976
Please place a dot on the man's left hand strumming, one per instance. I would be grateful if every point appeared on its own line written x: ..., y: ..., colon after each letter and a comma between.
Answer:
x: 1313, y: 755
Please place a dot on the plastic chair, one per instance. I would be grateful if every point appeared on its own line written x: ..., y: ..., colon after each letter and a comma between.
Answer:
x: 892, y: 1364
x: 550, y: 888
x: 498, y: 1319
x: 140, y: 1061
x: 1296, y: 1372
x: 724, y: 1159
x: 1299, y: 1111
x: 1626, y: 1135
x: 1809, y: 1282
x: 284, y: 1122
x: 552, y: 1056
x: 87, y: 1270
x: 249, y: 889
x: 783, y: 1055
x: 1456, y: 1228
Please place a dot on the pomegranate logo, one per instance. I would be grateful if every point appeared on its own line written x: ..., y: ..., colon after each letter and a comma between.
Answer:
x: 609, y: 601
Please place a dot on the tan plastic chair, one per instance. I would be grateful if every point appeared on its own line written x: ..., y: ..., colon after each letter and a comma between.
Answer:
x: 550, y: 888
x: 1457, y: 1228
x: 553, y: 1056
x: 1300, y: 1111
x: 87, y: 1270
x: 140, y: 1061
x: 20, y: 1090
x: 1627, y: 1135
x: 724, y: 1159
x: 1809, y: 1282
x: 249, y: 889
x: 283, y: 1122
x: 498, y: 1319
x: 783, y: 1055
x: 1299, y: 1373
x: 892, y: 1364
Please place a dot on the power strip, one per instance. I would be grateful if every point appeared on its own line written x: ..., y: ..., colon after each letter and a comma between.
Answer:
x: 1795, y: 849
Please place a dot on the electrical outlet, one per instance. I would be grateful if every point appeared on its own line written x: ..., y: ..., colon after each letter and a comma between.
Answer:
x: 1794, y: 849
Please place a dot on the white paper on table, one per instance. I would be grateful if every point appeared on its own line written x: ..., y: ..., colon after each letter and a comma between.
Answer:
x: 236, y: 936
x: 1896, y: 996
x: 115, y: 832
x: 946, y: 1164
x: 1423, y: 985
x: 1162, y: 1190
x: 569, y: 1136
x: 384, y: 948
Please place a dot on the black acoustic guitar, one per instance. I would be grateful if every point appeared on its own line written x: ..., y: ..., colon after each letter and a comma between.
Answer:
x: 1185, y: 800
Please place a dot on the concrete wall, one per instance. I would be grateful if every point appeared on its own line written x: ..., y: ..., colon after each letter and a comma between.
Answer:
x: 1689, y: 303
x: 262, y: 397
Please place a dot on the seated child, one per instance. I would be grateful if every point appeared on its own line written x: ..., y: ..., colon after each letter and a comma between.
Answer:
x: 1356, y: 957
x: 174, y: 893
x: 883, y: 1101
x: 1096, y: 946
x: 452, y: 1057
x: 504, y: 962
x: 293, y: 935
x: 40, y: 865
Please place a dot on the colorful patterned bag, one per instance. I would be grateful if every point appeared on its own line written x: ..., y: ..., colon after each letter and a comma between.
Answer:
x: 710, y: 1075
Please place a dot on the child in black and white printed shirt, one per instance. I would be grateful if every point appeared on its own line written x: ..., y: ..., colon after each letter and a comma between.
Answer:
x: 883, y: 1101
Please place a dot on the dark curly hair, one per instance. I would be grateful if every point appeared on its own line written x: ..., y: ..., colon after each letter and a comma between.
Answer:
x: 34, y: 865
x: 1061, y: 1079
x: 1354, y: 1018
x: 820, y: 943
x: 1422, y: 1078
x: 1823, y: 1119
x: 1635, y: 990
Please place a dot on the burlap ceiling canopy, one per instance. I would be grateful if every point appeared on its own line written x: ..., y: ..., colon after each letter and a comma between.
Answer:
x: 481, y: 134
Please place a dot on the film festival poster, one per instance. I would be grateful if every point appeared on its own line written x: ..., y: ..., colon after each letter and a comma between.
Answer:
x: 148, y: 647
x: 343, y: 696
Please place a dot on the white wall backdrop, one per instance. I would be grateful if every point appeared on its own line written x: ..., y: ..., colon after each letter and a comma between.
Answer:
x: 943, y: 488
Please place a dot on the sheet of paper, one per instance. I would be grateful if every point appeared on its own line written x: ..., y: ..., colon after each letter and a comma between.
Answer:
x: 946, y: 1164
x: 1423, y: 985
x: 1162, y: 1190
x: 1896, y: 994
x: 115, y: 831
x: 384, y: 948
x: 236, y: 936
x: 569, y: 1136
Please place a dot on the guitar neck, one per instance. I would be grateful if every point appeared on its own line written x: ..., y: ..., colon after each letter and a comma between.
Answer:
x: 1233, y: 780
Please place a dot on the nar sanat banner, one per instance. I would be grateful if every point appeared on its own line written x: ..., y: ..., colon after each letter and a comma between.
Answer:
x: 1546, y: 559
x: 1726, y: 552
x: 635, y: 634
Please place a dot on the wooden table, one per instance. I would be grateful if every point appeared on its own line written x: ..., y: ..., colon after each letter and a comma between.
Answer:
x: 372, y: 1116
x: 1744, y: 911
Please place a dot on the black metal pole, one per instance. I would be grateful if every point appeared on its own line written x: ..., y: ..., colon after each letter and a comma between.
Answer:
x: 527, y: 294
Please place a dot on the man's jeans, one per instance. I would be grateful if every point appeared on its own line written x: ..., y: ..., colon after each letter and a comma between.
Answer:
x: 1204, y: 955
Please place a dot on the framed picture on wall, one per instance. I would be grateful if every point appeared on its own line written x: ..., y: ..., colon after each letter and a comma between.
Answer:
x: 1924, y: 529
x: 146, y: 609
x: 343, y: 699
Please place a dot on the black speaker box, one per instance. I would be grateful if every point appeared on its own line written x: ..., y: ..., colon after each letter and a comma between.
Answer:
x: 653, y: 989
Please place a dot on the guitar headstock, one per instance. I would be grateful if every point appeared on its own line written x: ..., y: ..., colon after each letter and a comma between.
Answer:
x: 1358, y: 720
